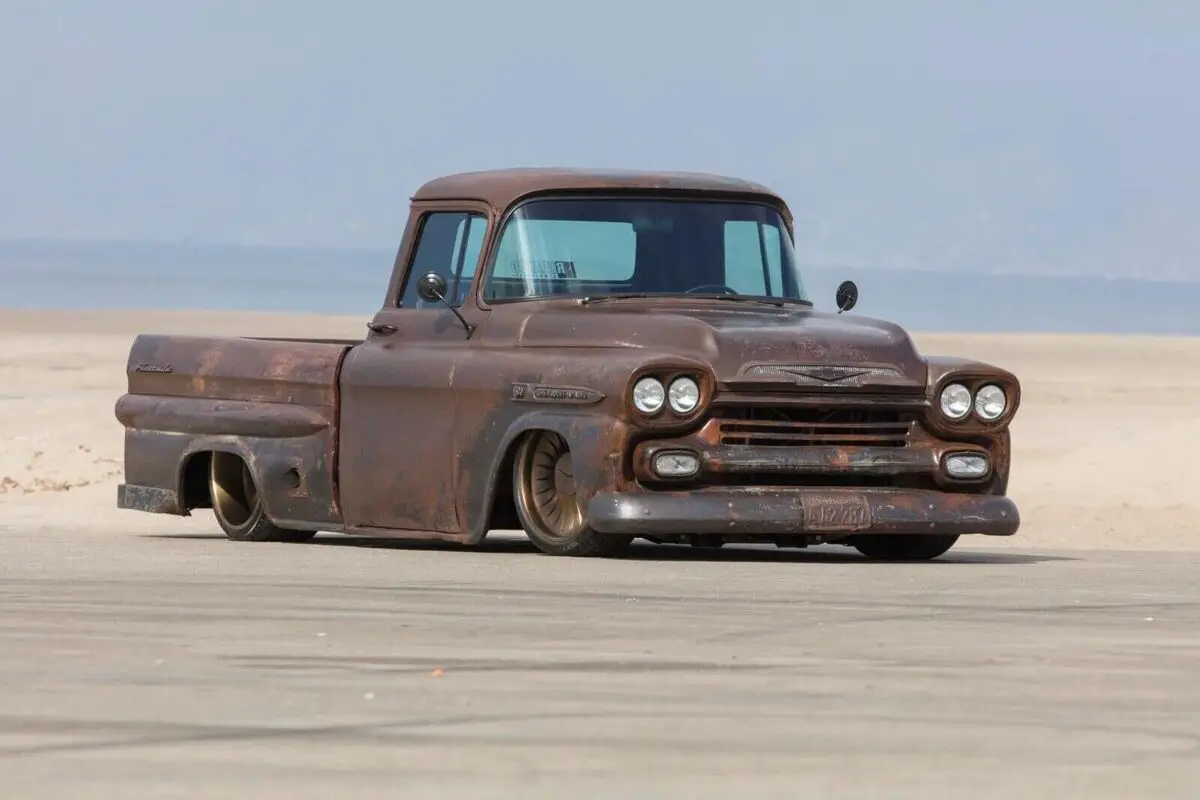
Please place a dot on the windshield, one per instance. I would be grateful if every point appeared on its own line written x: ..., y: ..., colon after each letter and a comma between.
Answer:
x: 596, y: 247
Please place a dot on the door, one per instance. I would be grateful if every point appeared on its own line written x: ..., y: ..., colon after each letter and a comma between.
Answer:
x: 396, y: 444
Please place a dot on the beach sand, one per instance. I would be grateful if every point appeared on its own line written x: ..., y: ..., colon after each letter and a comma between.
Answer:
x: 1102, y: 443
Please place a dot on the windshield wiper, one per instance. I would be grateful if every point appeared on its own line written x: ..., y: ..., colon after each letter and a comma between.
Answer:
x: 741, y: 298
x: 583, y: 301
x: 737, y: 298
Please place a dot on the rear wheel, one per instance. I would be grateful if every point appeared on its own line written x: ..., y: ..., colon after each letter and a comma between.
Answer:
x: 903, y: 547
x: 549, y: 510
x: 238, y: 507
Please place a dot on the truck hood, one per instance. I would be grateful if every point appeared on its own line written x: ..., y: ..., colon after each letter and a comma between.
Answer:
x: 743, y: 344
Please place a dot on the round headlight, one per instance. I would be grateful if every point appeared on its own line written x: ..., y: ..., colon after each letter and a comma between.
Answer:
x: 684, y: 395
x: 648, y: 395
x: 956, y: 401
x: 990, y: 402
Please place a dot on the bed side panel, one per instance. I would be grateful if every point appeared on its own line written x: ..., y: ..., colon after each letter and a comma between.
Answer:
x: 273, y: 402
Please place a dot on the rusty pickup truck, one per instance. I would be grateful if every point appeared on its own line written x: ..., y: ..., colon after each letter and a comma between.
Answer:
x: 594, y: 357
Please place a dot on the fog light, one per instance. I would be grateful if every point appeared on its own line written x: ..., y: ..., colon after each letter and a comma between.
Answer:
x: 676, y: 465
x: 966, y: 465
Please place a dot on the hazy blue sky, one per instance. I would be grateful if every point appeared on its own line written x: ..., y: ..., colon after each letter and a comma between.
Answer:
x: 1031, y: 136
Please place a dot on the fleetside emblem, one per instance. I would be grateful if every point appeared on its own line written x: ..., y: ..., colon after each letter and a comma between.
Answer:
x: 537, y: 393
x: 146, y: 367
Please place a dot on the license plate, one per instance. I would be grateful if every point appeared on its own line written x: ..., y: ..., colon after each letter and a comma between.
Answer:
x: 831, y: 512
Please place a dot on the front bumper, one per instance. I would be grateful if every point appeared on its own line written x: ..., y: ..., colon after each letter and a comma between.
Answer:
x: 802, y: 511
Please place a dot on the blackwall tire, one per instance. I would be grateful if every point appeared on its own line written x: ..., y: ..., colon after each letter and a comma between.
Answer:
x: 904, y: 547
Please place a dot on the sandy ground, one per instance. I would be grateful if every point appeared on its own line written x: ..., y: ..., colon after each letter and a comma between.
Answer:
x: 1099, y: 442
x: 144, y: 656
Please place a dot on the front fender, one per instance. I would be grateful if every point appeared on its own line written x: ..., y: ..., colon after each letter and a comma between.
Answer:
x: 940, y: 367
x: 943, y: 369
x: 597, y: 442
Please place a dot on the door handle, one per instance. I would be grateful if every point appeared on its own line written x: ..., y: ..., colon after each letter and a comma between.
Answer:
x: 381, y: 327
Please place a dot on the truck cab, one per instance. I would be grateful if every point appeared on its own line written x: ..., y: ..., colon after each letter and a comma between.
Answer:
x: 592, y: 357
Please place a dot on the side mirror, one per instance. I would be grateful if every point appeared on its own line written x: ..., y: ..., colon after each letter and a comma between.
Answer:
x: 847, y: 296
x: 432, y: 287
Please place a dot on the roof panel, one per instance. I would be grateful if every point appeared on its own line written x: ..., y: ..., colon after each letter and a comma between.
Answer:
x: 501, y: 187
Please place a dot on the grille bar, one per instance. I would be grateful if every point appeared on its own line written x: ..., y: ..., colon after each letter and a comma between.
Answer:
x: 778, y: 436
x: 761, y: 426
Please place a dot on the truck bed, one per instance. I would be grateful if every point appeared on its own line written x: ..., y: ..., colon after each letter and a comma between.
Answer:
x: 273, y: 401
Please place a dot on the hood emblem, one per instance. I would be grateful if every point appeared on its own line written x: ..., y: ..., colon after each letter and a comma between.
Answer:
x: 826, y: 374
x: 820, y: 373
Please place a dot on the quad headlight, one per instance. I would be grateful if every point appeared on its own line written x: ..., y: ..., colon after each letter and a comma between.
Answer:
x: 955, y: 401
x: 649, y: 395
x: 678, y: 392
x: 989, y: 402
x: 684, y: 395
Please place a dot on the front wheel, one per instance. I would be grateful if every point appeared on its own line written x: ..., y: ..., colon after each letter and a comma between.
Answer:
x: 239, y: 508
x: 903, y: 547
x: 550, y: 512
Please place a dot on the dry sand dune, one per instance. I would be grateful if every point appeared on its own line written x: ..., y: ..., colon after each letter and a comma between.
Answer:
x: 1102, y: 441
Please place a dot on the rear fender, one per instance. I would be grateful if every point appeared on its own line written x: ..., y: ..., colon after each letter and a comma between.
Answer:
x: 292, y: 475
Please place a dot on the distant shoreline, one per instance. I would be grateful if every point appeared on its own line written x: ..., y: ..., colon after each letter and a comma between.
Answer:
x: 157, y: 276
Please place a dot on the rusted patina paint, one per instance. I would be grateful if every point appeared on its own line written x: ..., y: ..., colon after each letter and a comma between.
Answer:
x: 273, y: 402
x: 811, y: 426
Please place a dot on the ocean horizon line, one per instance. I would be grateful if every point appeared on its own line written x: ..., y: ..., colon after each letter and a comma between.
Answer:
x: 337, y: 281
x: 376, y: 250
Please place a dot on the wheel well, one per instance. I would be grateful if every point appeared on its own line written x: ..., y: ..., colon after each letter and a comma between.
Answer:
x: 503, y: 514
x: 194, y: 489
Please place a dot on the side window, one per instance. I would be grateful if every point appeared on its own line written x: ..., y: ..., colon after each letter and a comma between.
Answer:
x: 449, y: 243
x: 752, y: 258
